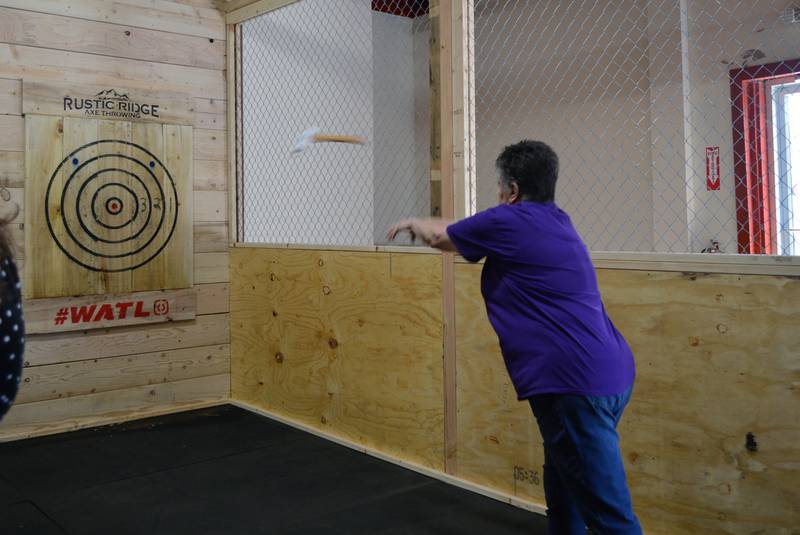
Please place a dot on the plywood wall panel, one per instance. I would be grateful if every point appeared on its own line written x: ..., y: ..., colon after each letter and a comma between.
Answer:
x: 349, y: 343
x: 716, y: 358
x: 498, y: 441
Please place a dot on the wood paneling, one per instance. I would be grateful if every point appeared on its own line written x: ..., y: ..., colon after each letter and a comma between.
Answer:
x: 178, y: 255
x: 210, y: 237
x: 210, y: 206
x: 20, y: 27
x: 716, y: 362
x: 210, y: 105
x: 10, y: 97
x: 163, y: 15
x: 13, y: 138
x: 212, y: 298
x: 209, y: 145
x: 49, y: 132
x: 133, y: 46
x: 210, y: 267
x: 242, y: 10
x: 231, y: 5
x: 16, y: 201
x: 12, y: 169
x: 101, y: 311
x: 93, y: 376
x: 55, y: 274
x: 210, y: 121
x: 346, y: 342
x: 40, y: 64
x: 68, y: 414
x: 51, y: 99
x: 210, y: 175
x: 68, y: 347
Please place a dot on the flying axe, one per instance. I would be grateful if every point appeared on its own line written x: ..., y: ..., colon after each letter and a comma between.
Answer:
x: 313, y: 135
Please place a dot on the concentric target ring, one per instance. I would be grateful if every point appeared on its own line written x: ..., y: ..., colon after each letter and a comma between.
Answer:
x: 91, y: 234
x: 111, y: 206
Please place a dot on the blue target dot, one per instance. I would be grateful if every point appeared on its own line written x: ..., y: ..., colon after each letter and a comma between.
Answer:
x: 75, y: 161
x: 152, y: 164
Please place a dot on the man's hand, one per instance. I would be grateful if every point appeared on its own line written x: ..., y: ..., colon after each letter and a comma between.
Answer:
x: 406, y: 225
x: 432, y: 232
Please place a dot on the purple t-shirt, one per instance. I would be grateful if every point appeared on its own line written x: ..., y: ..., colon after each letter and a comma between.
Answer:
x: 542, y: 299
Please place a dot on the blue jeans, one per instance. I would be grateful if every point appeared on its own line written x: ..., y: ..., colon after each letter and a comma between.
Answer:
x: 584, y: 477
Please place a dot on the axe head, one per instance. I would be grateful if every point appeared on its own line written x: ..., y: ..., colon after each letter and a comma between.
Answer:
x: 305, y: 140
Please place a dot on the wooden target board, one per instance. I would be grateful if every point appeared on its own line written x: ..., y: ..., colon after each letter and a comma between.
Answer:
x: 107, y: 205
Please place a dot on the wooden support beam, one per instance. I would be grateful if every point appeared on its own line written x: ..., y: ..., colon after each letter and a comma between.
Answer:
x: 238, y: 216
x: 463, y: 116
x: 231, y: 74
x: 445, y: 56
x: 255, y: 9
x: 435, y: 83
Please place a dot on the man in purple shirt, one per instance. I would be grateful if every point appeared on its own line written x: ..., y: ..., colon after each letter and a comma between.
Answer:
x: 562, y: 352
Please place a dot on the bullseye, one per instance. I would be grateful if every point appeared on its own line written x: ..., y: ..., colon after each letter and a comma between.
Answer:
x: 114, y: 205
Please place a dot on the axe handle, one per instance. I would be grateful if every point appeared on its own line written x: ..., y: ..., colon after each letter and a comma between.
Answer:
x: 333, y: 138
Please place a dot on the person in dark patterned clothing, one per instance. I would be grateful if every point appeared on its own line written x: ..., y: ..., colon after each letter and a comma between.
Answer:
x: 12, y: 326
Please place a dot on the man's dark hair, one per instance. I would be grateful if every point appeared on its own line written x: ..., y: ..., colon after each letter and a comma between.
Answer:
x: 533, y: 165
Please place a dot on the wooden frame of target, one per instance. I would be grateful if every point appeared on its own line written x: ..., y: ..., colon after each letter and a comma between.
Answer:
x: 108, y: 194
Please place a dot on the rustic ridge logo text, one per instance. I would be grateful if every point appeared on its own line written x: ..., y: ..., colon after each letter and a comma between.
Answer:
x: 109, y: 103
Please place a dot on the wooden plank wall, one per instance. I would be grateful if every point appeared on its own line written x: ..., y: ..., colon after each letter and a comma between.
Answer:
x: 80, y: 379
x: 348, y: 343
x: 717, y: 359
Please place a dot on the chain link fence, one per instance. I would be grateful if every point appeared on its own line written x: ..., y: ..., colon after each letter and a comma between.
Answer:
x: 677, y: 122
x: 350, y: 67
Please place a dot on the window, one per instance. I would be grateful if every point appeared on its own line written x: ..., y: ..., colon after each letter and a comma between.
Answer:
x: 786, y: 135
x: 764, y: 108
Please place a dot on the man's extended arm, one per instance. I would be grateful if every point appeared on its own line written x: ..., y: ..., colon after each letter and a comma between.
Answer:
x: 432, y: 232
